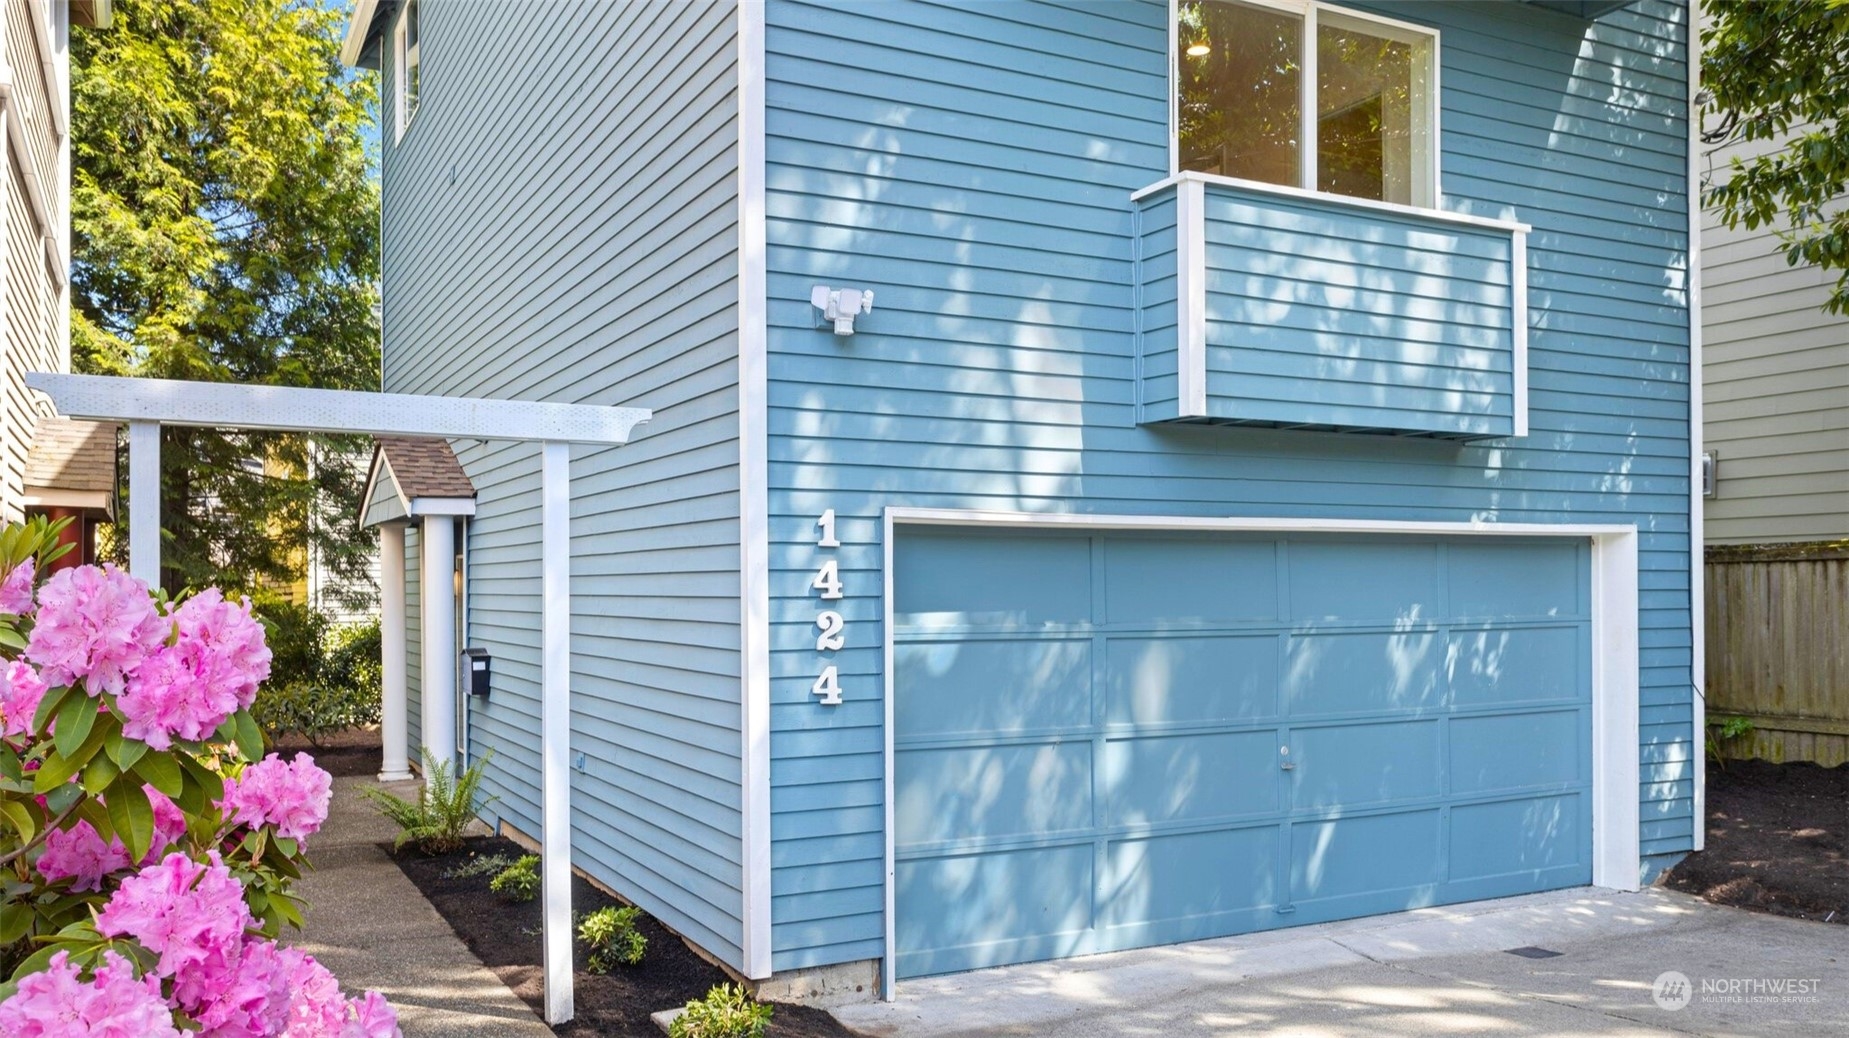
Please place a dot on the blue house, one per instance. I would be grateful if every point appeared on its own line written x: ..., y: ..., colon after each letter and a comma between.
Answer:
x: 1122, y: 471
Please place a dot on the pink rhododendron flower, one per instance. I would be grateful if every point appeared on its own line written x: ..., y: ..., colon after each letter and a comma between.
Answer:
x: 21, y: 688
x: 16, y: 589
x: 292, y: 796
x: 169, y: 824
x: 95, y: 625
x: 373, y: 1017
x: 212, y: 669
x: 189, y: 913
x: 80, y: 852
x: 57, y: 1003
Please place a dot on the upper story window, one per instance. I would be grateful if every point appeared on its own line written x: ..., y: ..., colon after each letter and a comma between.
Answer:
x: 1298, y: 93
x: 407, y: 56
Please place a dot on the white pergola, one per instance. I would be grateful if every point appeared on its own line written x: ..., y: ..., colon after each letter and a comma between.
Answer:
x: 147, y: 404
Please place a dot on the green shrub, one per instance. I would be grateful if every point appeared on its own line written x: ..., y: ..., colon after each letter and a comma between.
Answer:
x: 725, y: 1012
x: 436, y: 820
x: 519, y: 881
x: 326, y: 678
x: 480, y: 865
x: 613, y: 938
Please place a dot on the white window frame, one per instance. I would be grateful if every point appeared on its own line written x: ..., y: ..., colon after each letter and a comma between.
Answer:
x: 403, y: 57
x: 1427, y: 189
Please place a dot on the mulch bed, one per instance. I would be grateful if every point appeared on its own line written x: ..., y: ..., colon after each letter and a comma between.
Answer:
x: 351, y: 752
x: 1777, y: 839
x: 506, y: 937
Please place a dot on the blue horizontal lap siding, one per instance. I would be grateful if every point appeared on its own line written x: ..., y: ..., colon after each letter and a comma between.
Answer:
x: 560, y: 224
x: 972, y: 164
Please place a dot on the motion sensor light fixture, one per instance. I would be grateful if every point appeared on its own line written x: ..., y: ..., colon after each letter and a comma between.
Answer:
x: 842, y: 305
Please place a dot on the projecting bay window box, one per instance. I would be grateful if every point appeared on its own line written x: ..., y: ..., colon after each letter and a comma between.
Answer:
x: 1276, y: 306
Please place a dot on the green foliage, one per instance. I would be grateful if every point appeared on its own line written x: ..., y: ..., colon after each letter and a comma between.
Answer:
x: 224, y: 221
x: 519, y: 881
x: 480, y: 865
x: 1723, y: 730
x: 727, y: 1011
x: 327, y: 679
x: 436, y: 820
x: 613, y: 938
x: 1779, y: 72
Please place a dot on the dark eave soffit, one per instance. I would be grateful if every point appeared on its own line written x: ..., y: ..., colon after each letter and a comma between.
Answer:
x: 1587, y: 9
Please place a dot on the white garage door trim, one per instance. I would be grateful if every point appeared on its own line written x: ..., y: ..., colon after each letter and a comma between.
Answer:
x: 1616, y: 851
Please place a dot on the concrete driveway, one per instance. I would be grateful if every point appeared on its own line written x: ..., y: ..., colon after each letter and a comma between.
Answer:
x: 1433, y: 972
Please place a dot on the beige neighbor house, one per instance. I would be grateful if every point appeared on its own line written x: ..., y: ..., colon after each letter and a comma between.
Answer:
x: 1775, y: 375
x: 48, y: 465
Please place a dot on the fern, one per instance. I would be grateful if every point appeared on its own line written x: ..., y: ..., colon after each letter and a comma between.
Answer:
x: 436, y: 820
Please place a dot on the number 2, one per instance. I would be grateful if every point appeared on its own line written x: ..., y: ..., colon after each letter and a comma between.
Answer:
x: 832, y: 636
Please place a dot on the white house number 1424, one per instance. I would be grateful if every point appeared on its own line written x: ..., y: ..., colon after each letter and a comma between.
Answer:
x: 833, y: 628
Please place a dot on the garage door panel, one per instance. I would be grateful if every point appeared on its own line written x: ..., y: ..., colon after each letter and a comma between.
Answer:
x: 972, y: 910
x: 997, y: 686
x: 1512, y: 751
x: 1372, y: 855
x: 1364, y: 764
x: 1153, y: 580
x: 1193, y: 680
x: 1189, y: 885
x: 1527, y: 838
x: 1177, y: 778
x: 1366, y: 581
x: 1349, y: 673
x: 1088, y: 729
x: 951, y: 577
x: 1511, y: 665
x: 988, y: 792
x: 1521, y: 578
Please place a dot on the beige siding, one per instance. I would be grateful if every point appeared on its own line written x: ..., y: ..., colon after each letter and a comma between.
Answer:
x: 1776, y: 382
x: 34, y: 308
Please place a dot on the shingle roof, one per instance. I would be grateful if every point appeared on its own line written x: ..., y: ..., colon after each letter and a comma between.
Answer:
x: 72, y: 455
x: 425, y: 467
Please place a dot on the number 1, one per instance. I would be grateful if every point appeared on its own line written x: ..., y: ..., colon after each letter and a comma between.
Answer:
x: 827, y: 523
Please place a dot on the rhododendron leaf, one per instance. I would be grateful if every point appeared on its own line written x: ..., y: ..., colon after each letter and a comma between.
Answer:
x: 227, y: 730
x: 132, y: 816
x: 99, y: 773
x: 22, y: 822
x: 162, y: 772
x: 10, y: 767
x: 249, y: 736
x: 125, y: 752
x: 10, y: 637
x: 58, y: 800
x: 38, y: 961
x: 54, y: 698
x: 15, y: 920
x: 76, y: 716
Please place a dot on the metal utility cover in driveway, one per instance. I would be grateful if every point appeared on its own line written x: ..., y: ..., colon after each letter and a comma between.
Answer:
x: 1109, y: 740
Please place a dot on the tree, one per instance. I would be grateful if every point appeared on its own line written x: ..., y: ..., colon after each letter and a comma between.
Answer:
x: 1779, y: 70
x: 225, y: 229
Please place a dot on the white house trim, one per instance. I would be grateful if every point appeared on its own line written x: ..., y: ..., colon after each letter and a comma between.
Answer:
x: 754, y: 497
x: 1518, y: 327
x: 1191, y: 298
x: 359, y: 23
x: 1698, y: 593
x: 51, y: 497
x: 1616, y: 846
x: 148, y: 403
x: 1321, y: 198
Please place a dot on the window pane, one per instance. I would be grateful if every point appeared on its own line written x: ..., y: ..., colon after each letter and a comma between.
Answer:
x: 1370, y: 128
x: 1239, y: 77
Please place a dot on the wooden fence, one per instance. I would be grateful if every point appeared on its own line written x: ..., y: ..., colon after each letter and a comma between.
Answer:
x: 1778, y: 649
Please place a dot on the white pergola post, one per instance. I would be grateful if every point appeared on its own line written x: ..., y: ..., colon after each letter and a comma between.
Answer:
x: 393, y: 710
x: 144, y: 501
x: 436, y: 606
x: 555, y: 724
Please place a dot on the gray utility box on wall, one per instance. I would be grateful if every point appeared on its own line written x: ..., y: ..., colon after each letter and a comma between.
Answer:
x: 478, y: 665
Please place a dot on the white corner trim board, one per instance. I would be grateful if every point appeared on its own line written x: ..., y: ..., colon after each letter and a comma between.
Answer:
x: 754, y: 496
x: 1698, y: 593
x: 1616, y: 843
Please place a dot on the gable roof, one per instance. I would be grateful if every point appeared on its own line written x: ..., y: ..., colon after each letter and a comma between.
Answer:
x: 72, y: 464
x: 414, y: 475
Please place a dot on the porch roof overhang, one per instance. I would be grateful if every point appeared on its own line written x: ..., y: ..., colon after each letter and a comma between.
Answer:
x: 413, y: 476
x: 72, y: 465
x: 360, y: 47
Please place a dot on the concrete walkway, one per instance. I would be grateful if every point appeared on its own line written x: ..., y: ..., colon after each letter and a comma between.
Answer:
x: 1436, y: 971
x: 369, y: 924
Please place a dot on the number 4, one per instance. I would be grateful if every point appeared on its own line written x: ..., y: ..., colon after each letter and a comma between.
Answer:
x: 828, y: 580
x: 828, y: 686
